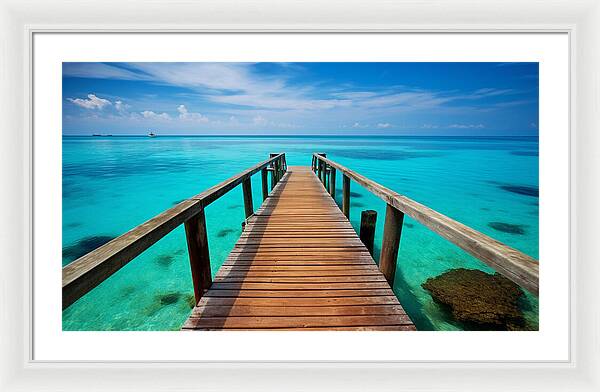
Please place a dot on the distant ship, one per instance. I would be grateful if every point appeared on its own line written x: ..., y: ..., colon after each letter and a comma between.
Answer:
x: 151, y: 134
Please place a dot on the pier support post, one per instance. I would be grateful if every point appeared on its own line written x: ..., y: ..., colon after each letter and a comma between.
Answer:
x: 346, y: 196
x: 368, y: 220
x: 265, y: 184
x: 332, y: 183
x: 197, y: 242
x: 248, y: 205
x: 391, y: 243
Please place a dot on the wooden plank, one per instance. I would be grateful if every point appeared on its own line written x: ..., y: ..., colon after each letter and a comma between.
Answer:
x: 299, y: 265
x: 516, y: 266
x: 299, y: 293
x: 323, y: 301
x: 299, y: 279
x: 294, y: 322
x: 226, y: 285
x: 295, y: 311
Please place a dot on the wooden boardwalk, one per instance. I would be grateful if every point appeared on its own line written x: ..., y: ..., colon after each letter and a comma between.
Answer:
x: 299, y: 265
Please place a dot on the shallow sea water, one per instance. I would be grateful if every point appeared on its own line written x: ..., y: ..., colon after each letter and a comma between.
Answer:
x: 111, y: 184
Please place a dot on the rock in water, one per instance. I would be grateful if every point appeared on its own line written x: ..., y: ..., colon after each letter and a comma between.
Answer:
x: 478, y: 299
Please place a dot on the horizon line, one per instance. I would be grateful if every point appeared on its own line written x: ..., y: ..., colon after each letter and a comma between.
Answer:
x: 290, y: 135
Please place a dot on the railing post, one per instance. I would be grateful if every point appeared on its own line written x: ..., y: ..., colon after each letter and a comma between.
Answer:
x: 197, y: 242
x: 280, y: 167
x: 346, y: 196
x: 319, y: 168
x: 273, y: 172
x: 368, y: 220
x: 265, y: 183
x: 247, y: 190
x: 332, y: 183
x: 391, y: 243
x: 322, y: 167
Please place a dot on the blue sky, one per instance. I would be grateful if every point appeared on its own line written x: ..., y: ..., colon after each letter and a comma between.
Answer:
x: 301, y: 98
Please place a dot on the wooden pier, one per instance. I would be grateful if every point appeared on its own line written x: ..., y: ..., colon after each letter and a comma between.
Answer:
x: 299, y: 264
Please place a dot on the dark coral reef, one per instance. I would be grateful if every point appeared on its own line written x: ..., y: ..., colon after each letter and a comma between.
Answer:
x: 478, y: 300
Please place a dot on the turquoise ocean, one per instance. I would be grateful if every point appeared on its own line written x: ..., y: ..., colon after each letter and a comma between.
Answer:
x: 112, y: 184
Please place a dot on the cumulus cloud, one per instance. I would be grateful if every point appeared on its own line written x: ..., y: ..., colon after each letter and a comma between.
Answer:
x: 149, y: 114
x: 121, y: 106
x: 184, y: 114
x: 93, y: 102
x: 384, y: 125
x: 259, y: 120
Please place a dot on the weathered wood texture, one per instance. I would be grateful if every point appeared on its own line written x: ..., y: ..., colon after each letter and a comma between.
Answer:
x: 332, y: 183
x: 299, y: 265
x: 346, y: 196
x: 247, y: 193
x: 368, y: 221
x: 87, y: 272
x: 390, y: 245
x: 197, y: 242
x: 515, y: 265
x: 265, y: 184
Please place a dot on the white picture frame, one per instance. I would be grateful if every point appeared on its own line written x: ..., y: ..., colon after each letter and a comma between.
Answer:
x: 19, y: 21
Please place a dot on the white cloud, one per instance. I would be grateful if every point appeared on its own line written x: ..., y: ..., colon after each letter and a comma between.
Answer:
x: 93, y: 102
x: 121, y: 106
x: 100, y: 71
x: 466, y: 126
x: 149, y: 114
x: 259, y: 120
x: 384, y: 125
x: 184, y: 114
x: 359, y: 125
x: 429, y: 126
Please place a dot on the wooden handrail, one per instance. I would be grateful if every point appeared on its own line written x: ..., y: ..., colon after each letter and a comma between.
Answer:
x: 516, y: 266
x: 88, y: 271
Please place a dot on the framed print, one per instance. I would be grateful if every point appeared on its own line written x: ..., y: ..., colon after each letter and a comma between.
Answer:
x: 262, y: 199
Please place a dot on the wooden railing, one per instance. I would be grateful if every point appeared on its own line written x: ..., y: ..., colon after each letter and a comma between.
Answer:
x: 87, y: 272
x: 515, y: 265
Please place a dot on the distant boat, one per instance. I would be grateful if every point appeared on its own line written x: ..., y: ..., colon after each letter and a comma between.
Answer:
x: 151, y: 134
